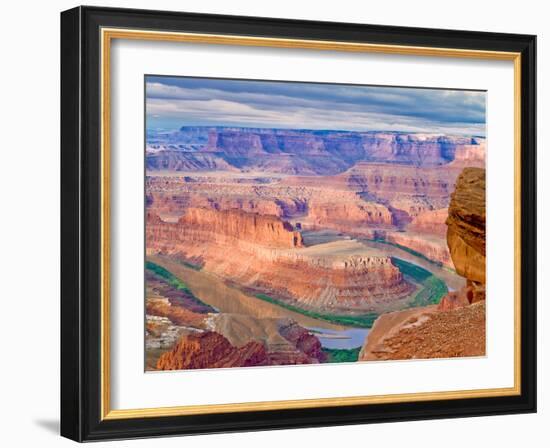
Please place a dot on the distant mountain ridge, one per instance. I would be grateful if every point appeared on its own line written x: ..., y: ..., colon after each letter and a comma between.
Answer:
x: 302, y: 151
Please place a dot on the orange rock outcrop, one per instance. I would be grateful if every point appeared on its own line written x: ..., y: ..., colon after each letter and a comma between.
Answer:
x: 466, y: 225
x: 210, y: 350
x: 300, y: 151
x: 432, y: 247
x: 264, y: 253
x: 431, y: 222
x: 266, y: 230
x: 471, y: 155
x: 455, y: 327
x: 352, y: 216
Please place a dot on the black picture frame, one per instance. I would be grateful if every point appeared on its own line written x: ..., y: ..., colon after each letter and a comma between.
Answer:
x: 81, y: 224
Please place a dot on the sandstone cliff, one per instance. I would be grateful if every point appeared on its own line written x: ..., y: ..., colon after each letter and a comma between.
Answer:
x: 254, y: 228
x: 455, y: 327
x: 431, y: 222
x: 264, y: 253
x: 208, y: 226
x: 351, y: 216
x: 363, y: 201
x: 409, y: 188
x: 432, y: 247
x: 294, y: 151
x: 427, y: 333
x: 471, y: 155
x: 466, y: 225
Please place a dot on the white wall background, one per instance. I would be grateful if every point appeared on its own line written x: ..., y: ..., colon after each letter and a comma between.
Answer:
x: 29, y: 228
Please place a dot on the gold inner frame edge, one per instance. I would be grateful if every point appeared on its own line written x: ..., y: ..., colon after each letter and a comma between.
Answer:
x: 107, y: 35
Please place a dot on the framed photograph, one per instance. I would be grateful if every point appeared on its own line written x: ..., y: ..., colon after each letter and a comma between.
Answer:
x: 273, y: 223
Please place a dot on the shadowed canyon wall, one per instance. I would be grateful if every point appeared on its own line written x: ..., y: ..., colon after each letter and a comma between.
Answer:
x: 292, y: 151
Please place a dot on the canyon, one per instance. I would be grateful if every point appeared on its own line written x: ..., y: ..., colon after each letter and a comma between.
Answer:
x: 456, y: 326
x: 264, y: 253
x: 178, y: 338
x: 302, y: 151
x: 385, y: 182
x: 276, y: 246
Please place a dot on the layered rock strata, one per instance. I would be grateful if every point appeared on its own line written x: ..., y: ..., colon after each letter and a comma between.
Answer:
x: 265, y: 253
x: 169, y: 320
x: 466, y: 235
x: 430, y: 222
x: 285, y: 341
x: 352, y: 216
x: 455, y: 327
x: 308, y: 152
x: 209, y: 227
x: 432, y: 247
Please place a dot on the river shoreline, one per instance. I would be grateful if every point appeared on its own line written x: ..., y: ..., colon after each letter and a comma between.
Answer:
x: 336, y: 332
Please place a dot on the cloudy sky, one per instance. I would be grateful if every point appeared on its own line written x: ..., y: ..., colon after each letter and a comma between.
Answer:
x: 172, y: 102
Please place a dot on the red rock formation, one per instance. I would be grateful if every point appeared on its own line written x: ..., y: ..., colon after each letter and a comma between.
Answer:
x: 285, y: 341
x: 352, y: 216
x: 264, y: 253
x: 349, y: 283
x: 471, y: 155
x: 466, y: 237
x: 179, y: 315
x: 254, y: 228
x: 303, y: 340
x: 466, y: 225
x: 293, y: 151
x: 170, y: 196
x: 208, y: 225
x: 432, y: 247
x: 456, y: 327
x: 431, y: 222
x: 407, y: 188
x: 425, y: 234
x: 367, y: 197
x: 210, y: 350
x: 453, y: 300
x: 171, y: 160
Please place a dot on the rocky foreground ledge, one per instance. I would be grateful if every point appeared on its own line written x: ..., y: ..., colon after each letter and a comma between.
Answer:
x: 455, y: 327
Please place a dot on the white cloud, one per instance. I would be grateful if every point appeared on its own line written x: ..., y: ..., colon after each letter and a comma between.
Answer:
x: 321, y: 107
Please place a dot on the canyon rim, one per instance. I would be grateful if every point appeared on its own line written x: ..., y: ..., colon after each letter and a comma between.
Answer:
x: 296, y: 223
